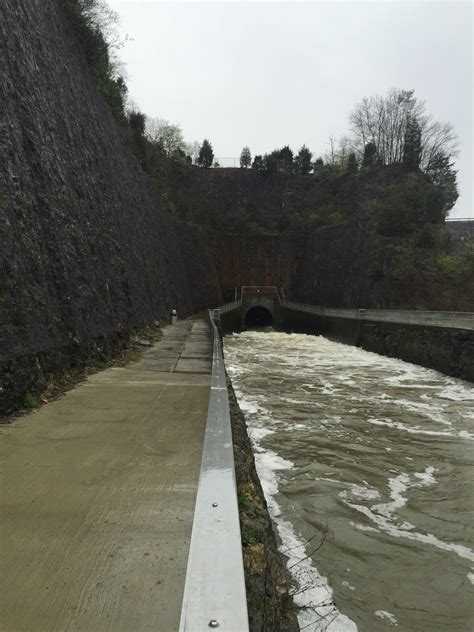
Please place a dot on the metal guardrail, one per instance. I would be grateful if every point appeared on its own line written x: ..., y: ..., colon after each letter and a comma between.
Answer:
x: 460, y: 320
x: 214, y: 592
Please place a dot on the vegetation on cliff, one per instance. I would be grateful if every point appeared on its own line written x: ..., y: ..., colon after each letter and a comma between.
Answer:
x: 93, y: 24
x: 392, y: 178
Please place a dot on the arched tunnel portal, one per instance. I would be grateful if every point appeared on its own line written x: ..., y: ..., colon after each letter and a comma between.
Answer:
x: 258, y: 316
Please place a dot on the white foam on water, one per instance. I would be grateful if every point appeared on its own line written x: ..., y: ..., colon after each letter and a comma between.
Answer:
x: 314, y: 594
x: 347, y: 585
x: 367, y: 493
x: 329, y: 480
x: 386, y: 616
x: 248, y: 406
x: 397, y: 425
x: 382, y: 514
x: 291, y: 400
x: 363, y: 527
x: 426, y: 478
x: 434, y: 413
x: 470, y: 577
x: 257, y: 434
x: 457, y: 392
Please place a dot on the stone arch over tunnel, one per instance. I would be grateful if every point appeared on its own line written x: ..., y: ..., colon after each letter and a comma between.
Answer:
x: 258, y: 316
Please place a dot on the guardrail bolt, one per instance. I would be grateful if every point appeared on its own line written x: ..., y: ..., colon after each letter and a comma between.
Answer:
x: 215, y: 504
x: 213, y: 623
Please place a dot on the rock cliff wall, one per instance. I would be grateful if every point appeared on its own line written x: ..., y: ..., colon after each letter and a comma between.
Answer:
x: 243, y: 259
x: 88, y: 251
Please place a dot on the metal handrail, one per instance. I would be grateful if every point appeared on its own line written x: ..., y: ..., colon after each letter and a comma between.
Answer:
x: 214, y: 592
x: 460, y: 320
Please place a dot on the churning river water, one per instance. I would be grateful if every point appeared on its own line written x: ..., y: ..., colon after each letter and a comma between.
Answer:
x: 366, y: 464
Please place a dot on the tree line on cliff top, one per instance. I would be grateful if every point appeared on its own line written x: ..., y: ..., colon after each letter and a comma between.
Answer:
x: 384, y: 130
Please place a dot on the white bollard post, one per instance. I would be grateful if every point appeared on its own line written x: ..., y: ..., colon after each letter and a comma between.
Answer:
x: 174, y: 317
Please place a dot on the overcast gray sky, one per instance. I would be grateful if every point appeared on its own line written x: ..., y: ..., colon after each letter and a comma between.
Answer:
x: 266, y: 74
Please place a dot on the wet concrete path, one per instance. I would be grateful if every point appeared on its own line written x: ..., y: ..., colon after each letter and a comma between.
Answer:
x: 98, y: 491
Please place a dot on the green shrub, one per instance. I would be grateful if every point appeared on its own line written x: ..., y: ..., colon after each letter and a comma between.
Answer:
x: 30, y: 401
x: 255, y: 229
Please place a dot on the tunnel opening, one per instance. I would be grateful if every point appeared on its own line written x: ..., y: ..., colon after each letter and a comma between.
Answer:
x: 258, y: 317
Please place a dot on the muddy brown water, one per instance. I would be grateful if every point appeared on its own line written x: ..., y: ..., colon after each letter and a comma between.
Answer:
x: 366, y: 463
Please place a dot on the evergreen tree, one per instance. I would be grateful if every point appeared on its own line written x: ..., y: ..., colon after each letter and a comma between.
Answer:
x: 412, y: 145
x: 321, y: 168
x: 303, y: 161
x: 352, y: 163
x: 370, y: 154
x: 180, y: 155
x: 279, y: 160
x: 441, y: 172
x: 206, y: 154
x: 258, y: 163
x: 285, y: 159
x: 245, y: 158
x: 271, y: 161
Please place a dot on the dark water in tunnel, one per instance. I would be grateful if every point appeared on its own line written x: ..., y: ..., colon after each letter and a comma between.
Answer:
x: 366, y: 463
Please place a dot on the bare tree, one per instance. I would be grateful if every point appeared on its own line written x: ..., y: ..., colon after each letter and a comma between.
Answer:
x: 384, y: 120
x: 331, y: 153
x: 192, y: 149
x: 168, y: 136
x: 339, y: 151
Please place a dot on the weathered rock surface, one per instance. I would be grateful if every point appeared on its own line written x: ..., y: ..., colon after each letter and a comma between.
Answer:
x: 88, y: 250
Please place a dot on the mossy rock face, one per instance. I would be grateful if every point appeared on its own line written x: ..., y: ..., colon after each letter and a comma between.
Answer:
x: 254, y: 558
x: 249, y: 495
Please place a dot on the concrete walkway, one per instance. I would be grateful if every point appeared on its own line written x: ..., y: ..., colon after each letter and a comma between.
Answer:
x: 98, y: 492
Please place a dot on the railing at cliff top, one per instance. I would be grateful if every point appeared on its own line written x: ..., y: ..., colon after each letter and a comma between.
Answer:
x: 459, y: 320
x: 214, y: 592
